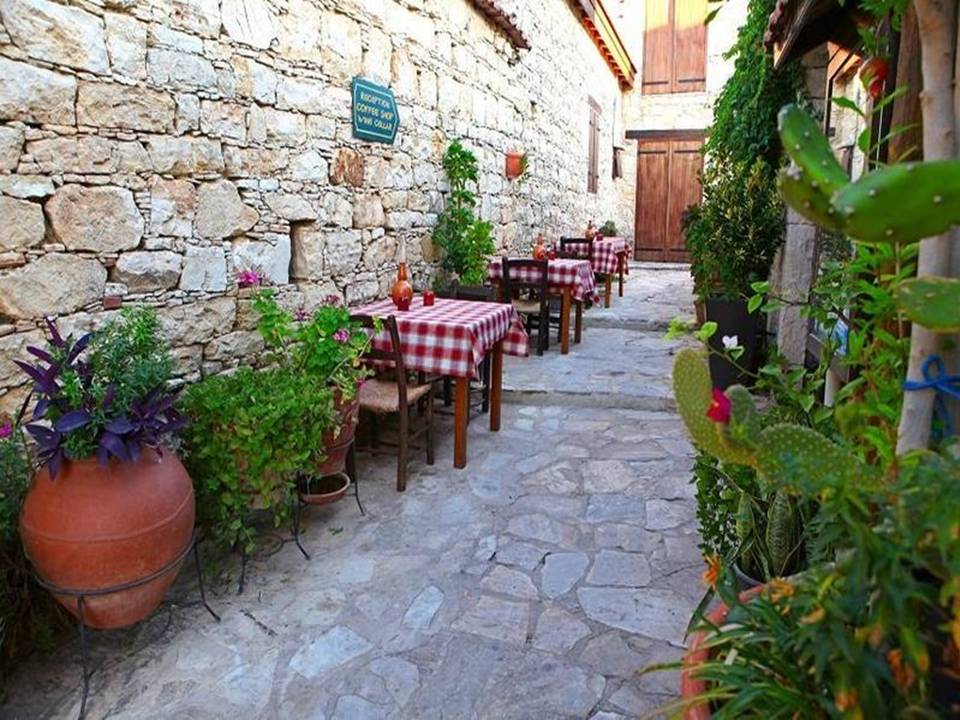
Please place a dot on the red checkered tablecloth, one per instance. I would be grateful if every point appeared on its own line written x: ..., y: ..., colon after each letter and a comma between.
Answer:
x: 561, y: 273
x: 605, y: 253
x: 452, y: 337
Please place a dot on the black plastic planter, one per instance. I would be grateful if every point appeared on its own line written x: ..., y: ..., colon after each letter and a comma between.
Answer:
x: 732, y: 318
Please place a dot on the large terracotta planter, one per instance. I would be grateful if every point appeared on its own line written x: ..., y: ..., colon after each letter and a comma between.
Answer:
x: 98, y: 527
x: 337, y: 443
x: 691, y: 686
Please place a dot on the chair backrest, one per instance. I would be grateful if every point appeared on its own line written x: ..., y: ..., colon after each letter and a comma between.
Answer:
x: 390, y: 358
x: 476, y: 293
x: 524, y: 274
x: 573, y: 247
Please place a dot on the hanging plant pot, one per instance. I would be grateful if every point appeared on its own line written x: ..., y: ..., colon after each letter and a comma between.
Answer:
x: 691, y: 686
x: 317, y: 490
x: 99, y: 527
x: 515, y: 163
x: 337, y: 443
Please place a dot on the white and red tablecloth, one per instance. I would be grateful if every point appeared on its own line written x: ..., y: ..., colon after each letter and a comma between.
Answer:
x: 606, y: 253
x: 561, y: 273
x: 451, y: 337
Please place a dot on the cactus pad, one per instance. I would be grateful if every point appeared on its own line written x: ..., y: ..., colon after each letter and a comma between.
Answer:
x: 933, y: 302
x: 809, y: 148
x: 902, y: 203
x: 692, y: 389
x: 800, y: 194
x: 745, y: 423
x: 798, y: 458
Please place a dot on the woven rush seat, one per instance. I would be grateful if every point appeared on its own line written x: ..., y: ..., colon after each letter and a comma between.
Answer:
x: 526, y: 305
x: 382, y: 396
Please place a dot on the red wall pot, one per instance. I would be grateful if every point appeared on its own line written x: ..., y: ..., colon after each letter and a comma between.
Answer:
x: 692, y: 687
x: 514, y: 167
x: 96, y: 527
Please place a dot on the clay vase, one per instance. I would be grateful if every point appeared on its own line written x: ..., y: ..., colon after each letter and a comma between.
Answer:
x: 514, y: 168
x: 96, y: 527
x: 591, y: 232
x: 336, y: 443
x: 402, y: 291
x: 539, y: 250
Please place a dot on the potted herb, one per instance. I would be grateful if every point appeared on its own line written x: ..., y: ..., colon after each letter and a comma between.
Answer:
x: 326, y: 345
x: 110, y: 505
x: 252, y: 434
x: 608, y: 229
x: 516, y: 165
x: 465, y: 241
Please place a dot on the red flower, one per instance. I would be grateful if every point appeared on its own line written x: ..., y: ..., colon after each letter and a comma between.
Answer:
x: 719, y: 410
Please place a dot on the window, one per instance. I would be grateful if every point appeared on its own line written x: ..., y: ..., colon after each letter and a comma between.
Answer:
x: 593, y: 146
x: 675, y: 46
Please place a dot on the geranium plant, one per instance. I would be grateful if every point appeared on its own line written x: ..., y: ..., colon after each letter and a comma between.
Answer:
x: 104, y: 394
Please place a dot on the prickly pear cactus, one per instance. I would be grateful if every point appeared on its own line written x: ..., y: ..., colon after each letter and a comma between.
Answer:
x: 692, y: 389
x: 798, y: 458
x: 809, y: 148
x: 812, y: 203
x: 933, y: 302
x: 902, y: 203
x: 782, y: 532
x: 741, y: 434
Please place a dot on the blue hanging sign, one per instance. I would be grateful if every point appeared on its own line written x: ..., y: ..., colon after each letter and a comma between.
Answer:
x: 375, y: 115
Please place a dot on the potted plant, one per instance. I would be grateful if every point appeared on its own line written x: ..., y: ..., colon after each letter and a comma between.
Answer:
x: 608, y: 229
x: 732, y: 238
x: 110, y: 505
x: 465, y: 241
x: 326, y: 345
x: 252, y: 434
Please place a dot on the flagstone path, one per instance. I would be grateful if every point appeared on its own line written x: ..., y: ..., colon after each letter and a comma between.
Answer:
x: 532, y: 585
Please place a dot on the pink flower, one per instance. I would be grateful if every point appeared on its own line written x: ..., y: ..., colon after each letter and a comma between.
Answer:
x: 342, y: 336
x: 719, y: 410
x: 332, y: 299
x: 301, y: 315
x: 249, y: 278
x: 6, y: 430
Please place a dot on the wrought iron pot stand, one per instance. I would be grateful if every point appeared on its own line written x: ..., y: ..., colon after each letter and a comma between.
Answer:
x: 82, y: 595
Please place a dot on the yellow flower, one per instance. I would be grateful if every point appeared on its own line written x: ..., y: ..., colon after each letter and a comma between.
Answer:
x: 813, y: 617
x: 780, y: 589
x: 712, y: 574
x: 846, y: 700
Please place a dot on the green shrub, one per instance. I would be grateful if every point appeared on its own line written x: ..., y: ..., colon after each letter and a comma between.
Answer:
x: 251, y: 434
x: 608, y: 229
x: 465, y: 241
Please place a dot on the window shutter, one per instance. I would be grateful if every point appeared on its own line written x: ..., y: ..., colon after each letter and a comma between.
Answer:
x: 690, y: 46
x: 593, y: 143
x: 658, y: 47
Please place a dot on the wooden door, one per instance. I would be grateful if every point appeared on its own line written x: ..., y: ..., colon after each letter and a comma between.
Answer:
x: 674, y: 46
x: 668, y: 182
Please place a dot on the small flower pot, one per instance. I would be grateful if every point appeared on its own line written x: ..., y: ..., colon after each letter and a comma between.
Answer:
x: 317, y: 490
x: 514, y: 167
x: 336, y: 443
x: 692, y: 687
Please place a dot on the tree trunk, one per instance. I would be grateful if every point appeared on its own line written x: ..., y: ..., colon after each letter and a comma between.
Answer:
x: 937, y: 20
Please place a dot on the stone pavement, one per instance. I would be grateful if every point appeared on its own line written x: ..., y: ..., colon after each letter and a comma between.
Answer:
x: 530, y: 586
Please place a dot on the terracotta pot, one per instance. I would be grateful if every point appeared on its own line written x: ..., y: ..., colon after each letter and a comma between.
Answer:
x: 691, y: 686
x: 336, y: 444
x: 324, y: 490
x: 514, y: 168
x: 96, y: 527
x: 402, y: 291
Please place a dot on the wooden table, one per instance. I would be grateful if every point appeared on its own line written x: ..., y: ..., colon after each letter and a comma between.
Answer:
x: 451, y: 339
x: 571, y: 279
x: 608, y: 258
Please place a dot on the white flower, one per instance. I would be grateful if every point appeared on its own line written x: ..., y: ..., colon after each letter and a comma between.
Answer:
x: 731, y: 342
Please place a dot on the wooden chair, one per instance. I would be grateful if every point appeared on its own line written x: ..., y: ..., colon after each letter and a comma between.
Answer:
x: 577, y: 253
x: 529, y: 298
x: 474, y: 293
x: 383, y: 395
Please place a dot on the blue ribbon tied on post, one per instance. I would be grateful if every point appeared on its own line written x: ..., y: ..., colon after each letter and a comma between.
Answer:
x: 935, y: 378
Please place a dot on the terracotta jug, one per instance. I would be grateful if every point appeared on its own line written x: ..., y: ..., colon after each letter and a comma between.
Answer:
x: 591, y: 231
x: 540, y: 249
x: 402, y: 291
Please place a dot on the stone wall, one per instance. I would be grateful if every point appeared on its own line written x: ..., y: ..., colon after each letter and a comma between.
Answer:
x: 152, y: 149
